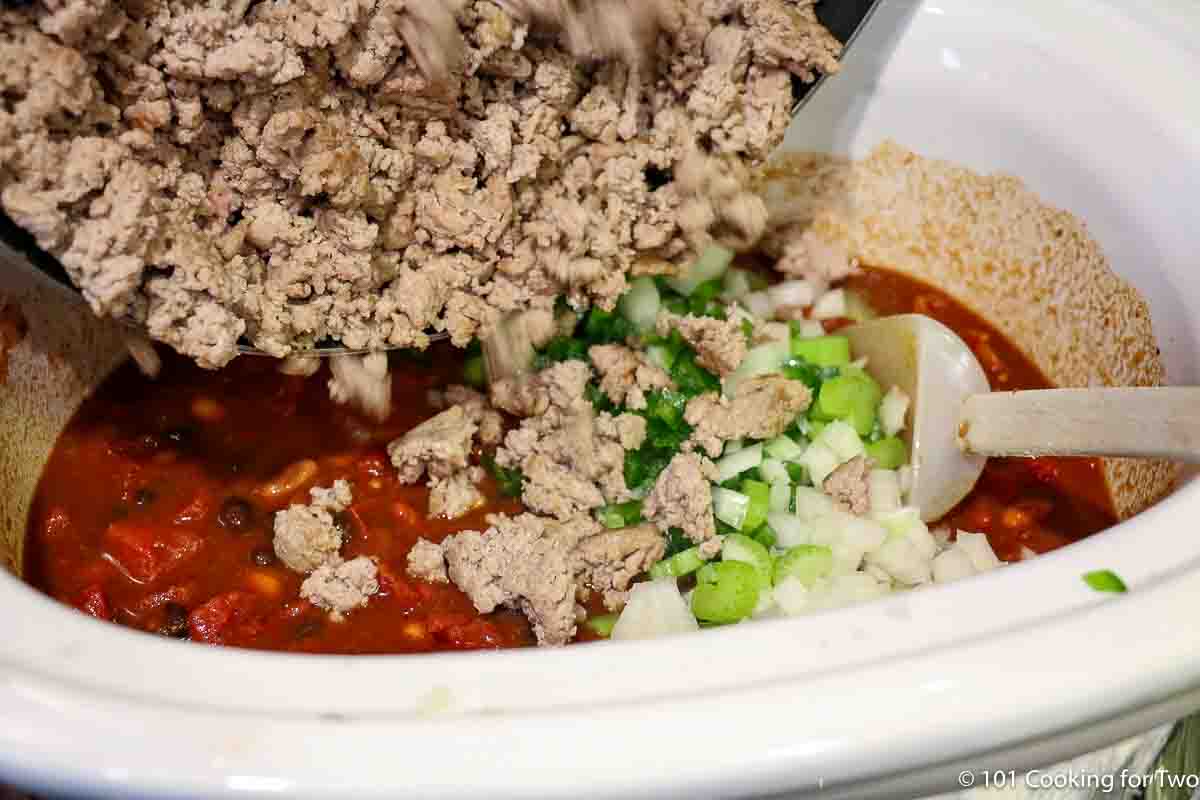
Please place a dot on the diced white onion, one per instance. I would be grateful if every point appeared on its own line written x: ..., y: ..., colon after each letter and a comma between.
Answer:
x: 844, y: 590
x: 819, y: 460
x: 830, y: 305
x: 892, y: 411
x: 810, y: 329
x: 812, y: 503
x: 758, y: 304
x: 711, y: 265
x: 791, y: 596
x: 905, y: 473
x: 840, y: 437
x: 898, y: 557
x: 729, y: 506
x: 760, y: 360
x: 783, y: 448
x: 773, y: 471
x: 791, y: 293
x: 978, y: 549
x: 654, y: 608
x: 883, y: 486
x: 640, y: 304
x: 907, y: 522
x: 766, y: 603
x: 790, y: 530
x: 739, y: 461
x: 952, y: 565
x: 774, y: 332
x: 780, y: 498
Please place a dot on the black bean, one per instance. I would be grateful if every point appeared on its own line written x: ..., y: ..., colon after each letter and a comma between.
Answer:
x: 263, y: 557
x: 144, y: 497
x: 236, y: 514
x: 175, y: 622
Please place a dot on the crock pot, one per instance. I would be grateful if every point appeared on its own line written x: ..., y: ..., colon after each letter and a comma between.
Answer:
x: 1094, y: 105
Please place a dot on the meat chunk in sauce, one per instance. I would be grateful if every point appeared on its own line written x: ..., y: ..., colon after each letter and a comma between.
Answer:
x: 452, y: 497
x: 306, y: 536
x: 440, y: 446
x: 540, y: 566
x: 341, y: 586
x: 572, y: 458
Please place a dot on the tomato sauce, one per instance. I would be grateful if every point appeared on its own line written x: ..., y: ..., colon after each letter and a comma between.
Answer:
x: 155, y: 509
x: 151, y: 511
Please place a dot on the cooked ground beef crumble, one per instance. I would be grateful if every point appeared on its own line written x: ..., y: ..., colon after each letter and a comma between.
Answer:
x: 291, y: 171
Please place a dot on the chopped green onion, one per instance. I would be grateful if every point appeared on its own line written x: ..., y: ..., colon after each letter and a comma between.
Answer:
x: 475, y: 372
x: 620, y: 515
x: 730, y: 507
x: 640, y: 304
x: 823, y: 351
x: 1105, y: 580
x: 510, y: 480
x: 661, y: 356
x: 797, y: 472
x: 760, y: 503
x: 678, y: 565
x: 806, y: 563
x: 726, y: 592
x: 889, y: 453
x: 602, y: 624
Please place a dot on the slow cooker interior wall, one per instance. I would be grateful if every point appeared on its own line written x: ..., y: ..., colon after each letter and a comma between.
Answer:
x: 63, y: 355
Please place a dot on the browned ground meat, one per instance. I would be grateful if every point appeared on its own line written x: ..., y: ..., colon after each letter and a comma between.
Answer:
x: 368, y: 171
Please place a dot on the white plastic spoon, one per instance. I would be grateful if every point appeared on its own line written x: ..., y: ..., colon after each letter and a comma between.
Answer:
x: 955, y: 421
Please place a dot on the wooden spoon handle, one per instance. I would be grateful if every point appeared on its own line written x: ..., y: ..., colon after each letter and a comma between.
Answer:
x: 1158, y: 422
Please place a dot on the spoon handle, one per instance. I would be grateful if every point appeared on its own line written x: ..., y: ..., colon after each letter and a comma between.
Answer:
x: 1153, y: 422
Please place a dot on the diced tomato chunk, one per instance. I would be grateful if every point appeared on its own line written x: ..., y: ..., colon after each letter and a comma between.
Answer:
x: 196, y: 510
x: 473, y: 634
x: 55, y: 523
x: 405, y: 594
x: 147, y: 552
x: 406, y: 514
x: 374, y: 464
x: 93, y: 602
x: 229, y: 618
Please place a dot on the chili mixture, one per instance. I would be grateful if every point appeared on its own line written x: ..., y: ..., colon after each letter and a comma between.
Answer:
x: 155, y: 508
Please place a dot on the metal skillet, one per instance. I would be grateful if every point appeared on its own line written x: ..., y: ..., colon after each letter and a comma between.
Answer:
x: 845, y: 19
